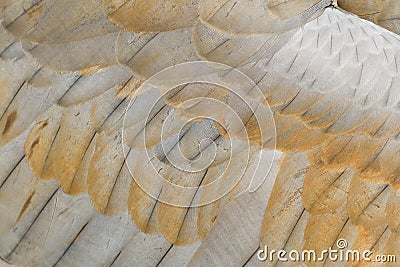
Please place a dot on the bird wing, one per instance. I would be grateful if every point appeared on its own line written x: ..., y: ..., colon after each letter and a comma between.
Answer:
x: 329, y: 78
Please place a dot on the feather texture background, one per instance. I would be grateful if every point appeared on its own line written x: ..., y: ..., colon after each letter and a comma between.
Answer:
x: 79, y: 174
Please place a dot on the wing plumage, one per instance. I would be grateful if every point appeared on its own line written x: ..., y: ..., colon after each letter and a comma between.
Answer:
x: 71, y: 69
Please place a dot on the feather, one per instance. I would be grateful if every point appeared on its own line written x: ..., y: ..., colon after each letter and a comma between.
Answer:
x: 57, y: 22
x: 152, y: 16
x: 234, y: 239
x: 285, y: 203
x: 41, y: 236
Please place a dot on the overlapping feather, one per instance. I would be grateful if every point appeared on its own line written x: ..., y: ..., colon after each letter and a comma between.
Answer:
x: 69, y: 70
